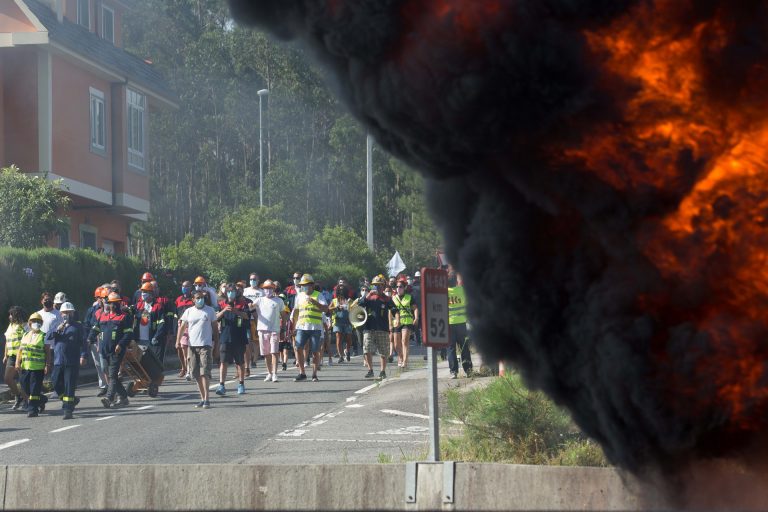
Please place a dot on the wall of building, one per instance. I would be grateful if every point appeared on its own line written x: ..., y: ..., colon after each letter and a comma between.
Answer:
x: 72, y: 154
x: 108, y: 226
x: 19, y: 107
x: 13, y: 20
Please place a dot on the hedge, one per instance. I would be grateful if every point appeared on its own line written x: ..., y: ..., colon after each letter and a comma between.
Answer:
x: 25, y: 274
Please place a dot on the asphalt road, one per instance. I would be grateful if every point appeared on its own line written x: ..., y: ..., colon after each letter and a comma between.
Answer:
x: 343, y: 418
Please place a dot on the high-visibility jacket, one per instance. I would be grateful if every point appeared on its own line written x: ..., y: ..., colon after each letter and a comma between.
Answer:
x: 13, y: 338
x: 32, y: 351
x: 309, y: 313
x: 404, y: 307
x: 457, y: 306
x: 111, y: 329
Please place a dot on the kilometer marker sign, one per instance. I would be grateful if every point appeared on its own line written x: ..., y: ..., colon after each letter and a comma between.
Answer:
x: 434, y: 307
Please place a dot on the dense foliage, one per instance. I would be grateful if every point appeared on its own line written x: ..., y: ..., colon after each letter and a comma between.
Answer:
x: 28, y: 208
x: 205, y: 155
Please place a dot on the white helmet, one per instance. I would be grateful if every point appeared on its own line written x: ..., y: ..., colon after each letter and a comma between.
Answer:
x: 67, y: 306
x: 60, y: 298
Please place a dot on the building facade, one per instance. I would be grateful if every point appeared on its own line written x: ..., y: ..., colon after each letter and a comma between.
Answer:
x: 75, y: 106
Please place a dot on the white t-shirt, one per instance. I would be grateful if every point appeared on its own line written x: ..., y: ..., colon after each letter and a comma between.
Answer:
x: 268, y: 313
x: 199, y: 325
x: 301, y: 299
x: 252, y: 293
x: 51, y: 320
x: 144, y: 329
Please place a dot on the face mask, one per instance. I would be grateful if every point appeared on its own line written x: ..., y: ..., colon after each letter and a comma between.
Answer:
x: 269, y: 293
x: 254, y: 283
x: 410, y: 282
x: 296, y: 282
x: 375, y: 287
x: 198, y: 287
x: 305, y: 289
x: 388, y: 294
x: 185, y: 290
x: 65, y: 317
x: 146, y: 297
x: 36, y: 326
x: 48, y: 304
x: 231, y: 295
x: 199, y: 303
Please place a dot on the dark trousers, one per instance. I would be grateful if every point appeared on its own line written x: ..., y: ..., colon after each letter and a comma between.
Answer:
x: 159, y: 350
x: 32, y: 384
x: 115, y: 386
x: 459, y: 338
x: 64, y: 381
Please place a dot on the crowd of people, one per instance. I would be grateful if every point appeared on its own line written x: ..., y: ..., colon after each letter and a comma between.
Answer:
x: 235, y: 324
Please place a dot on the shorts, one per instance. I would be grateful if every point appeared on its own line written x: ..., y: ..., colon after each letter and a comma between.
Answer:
x: 269, y: 342
x: 400, y: 328
x: 285, y: 345
x: 200, y: 358
x: 343, y: 329
x: 184, y: 340
x: 376, y: 341
x: 313, y: 337
x: 232, y: 353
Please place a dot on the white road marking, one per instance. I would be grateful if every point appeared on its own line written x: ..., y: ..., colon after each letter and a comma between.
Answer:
x: 401, y: 431
x: 62, y: 429
x: 354, y: 406
x: 351, y: 398
x: 366, y: 389
x: 145, y: 407
x: 12, y: 443
x: 292, y: 433
x: 403, y: 413
x: 381, y: 441
x: 180, y: 397
x: 318, y: 416
x: 104, y: 418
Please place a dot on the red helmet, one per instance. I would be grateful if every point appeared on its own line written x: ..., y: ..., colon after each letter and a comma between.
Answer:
x: 147, y: 277
x: 97, y: 292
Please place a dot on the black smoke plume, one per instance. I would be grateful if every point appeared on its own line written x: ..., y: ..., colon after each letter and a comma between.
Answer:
x: 488, y: 98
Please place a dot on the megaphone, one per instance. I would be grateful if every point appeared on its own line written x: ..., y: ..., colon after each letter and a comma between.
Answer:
x: 357, y: 316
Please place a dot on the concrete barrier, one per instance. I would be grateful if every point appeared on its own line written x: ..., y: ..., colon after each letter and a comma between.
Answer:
x: 315, y: 487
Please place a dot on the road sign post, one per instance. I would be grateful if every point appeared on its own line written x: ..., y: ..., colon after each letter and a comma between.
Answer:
x: 434, y: 329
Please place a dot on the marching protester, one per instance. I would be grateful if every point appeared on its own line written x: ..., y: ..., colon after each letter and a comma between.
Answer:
x: 211, y: 298
x: 285, y: 337
x: 251, y: 293
x: 307, y: 317
x: 200, y: 323
x: 233, y: 318
x: 90, y: 320
x: 149, y: 325
x: 34, y: 361
x: 58, y: 300
x: 114, y: 330
x: 376, y: 328
x: 50, y: 315
x: 342, y: 327
x: 406, y: 317
x: 183, y: 302
x: 270, y: 313
x: 17, y: 326
x: 69, y: 353
x: 146, y: 277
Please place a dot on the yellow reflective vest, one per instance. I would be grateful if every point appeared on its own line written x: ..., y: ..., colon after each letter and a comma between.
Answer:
x: 309, y: 313
x: 404, y: 307
x: 32, y: 351
x: 457, y: 306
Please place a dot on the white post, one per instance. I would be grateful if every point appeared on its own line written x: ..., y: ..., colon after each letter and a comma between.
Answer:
x: 261, y: 93
x: 369, y: 189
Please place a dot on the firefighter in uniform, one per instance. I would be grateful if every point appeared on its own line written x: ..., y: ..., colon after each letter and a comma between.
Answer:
x: 150, y: 328
x: 114, y: 331
x: 33, y: 359
x: 69, y: 352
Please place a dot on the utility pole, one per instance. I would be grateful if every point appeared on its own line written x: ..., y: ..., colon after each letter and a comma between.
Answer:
x: 261, y: 93
x: 369, y: 189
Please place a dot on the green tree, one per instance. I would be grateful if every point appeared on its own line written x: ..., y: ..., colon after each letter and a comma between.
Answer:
x: 340, y: 252
x: 31, y: 208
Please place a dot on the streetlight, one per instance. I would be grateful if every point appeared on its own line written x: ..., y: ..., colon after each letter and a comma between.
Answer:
x: 261, y: 93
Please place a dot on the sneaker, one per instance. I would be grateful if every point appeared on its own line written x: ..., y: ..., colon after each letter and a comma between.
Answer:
x: 315, y: 379
x: 330, y: 361
x: 347, y: 357
x: 285, y: 367
x: 206, y: 404
x: 188, y: 377
x: 382, y: 375
x: 199, y: 404
x: 106, y: 402
x: 300, y: 377
x: 122, y: 402
x: 390, y: 359
x: 68, y: 415
x: 77, y: 401
x: 43, y: 401
x: 369, y: 375
x: 341, y: 360
x: 17, y: 404
x: 268, y: 377
x: 274, y: 377
x: 241, y: 389
x: 182, y: 373
x: 32, y: 414
x: 425, y: 357
x: 454, y: 375
x: 102, y: 392
x: 247, y: 372
x: 468, y: 373
x: 221, y: 390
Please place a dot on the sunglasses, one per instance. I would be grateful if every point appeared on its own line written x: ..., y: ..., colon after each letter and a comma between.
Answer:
x: 400, y: 286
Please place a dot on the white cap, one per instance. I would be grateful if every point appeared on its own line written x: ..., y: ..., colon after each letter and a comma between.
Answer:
x: 67, y: 306
x: 60, y: 298
x: 417, y: 274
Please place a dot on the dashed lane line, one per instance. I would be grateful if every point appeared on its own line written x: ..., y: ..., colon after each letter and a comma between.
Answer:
x: 366, y: 389
x: 144, y: 408
x: 62, y: 429
x: 374, y: 441
x: 354, y: 406
x: 12, y: 443
x: 104, y: 418
x: 395, y: 412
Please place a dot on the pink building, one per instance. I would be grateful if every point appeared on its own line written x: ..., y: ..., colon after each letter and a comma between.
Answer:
x: 75, y: 105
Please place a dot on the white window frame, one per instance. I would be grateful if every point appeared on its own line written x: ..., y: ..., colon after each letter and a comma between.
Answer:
x: 80, y: 13
x: 98, y: 126
x: 104, y: 8
x: 135, y: 128
x: 87, y: 228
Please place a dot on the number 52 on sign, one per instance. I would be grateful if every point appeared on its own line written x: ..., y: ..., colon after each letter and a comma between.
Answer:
x: 434, y: 307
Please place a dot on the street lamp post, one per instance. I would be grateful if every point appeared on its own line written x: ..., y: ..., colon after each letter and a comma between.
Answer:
x: 261, y: 93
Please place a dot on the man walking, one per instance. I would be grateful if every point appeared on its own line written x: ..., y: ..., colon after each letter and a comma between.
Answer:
x: 90, y: 320
x: 33, y: 359
x: 457, y: 320
x: 233, y: 318
x: 376, y: 328
x: 69, y: 352
x: 307, y: 318
x: 269, y: 312
x: 200, y: 322
x: 114, y: 329
x: 183, y: 302
x: 149, y: 326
